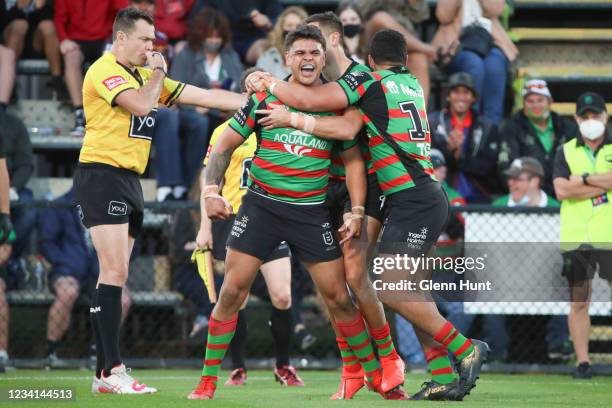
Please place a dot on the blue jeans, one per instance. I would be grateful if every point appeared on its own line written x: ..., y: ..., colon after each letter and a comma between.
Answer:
x: 194, y: 133
x: 168, y: 169
x: 492, y: 71
x: 24, y: 221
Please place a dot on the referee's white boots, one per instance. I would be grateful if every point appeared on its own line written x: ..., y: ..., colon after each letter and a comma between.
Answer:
x: 119, y: 382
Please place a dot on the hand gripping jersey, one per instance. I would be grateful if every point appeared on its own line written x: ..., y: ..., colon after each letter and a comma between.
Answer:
x: 113, y: 135
x: 289, y: 165
x: 392, y: 104
x: 235, y: 181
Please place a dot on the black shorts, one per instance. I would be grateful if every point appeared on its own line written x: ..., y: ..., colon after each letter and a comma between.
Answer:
x: 339, y: 202
x: 263, y: 223
x: 109, y: 195
x: 91, y: 49
x: 416, y: 218
x: 581, y: 265
x: 221, y: 231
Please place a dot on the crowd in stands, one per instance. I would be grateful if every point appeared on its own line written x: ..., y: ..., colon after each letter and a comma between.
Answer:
x: 483, y: 153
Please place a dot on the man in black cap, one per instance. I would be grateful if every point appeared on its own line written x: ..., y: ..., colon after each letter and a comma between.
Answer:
x: 583, y: 183
x: 535, y: 131
x: 468, y: 141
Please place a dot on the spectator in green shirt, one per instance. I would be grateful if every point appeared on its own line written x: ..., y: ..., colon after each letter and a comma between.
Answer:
x: 525, y: 176
x: 535, y: 131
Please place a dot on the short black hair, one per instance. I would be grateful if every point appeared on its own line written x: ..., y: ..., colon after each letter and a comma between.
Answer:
x: 126, y: 20
x: 304, y: 32
x: 388, y: 46
x: 328, y: 20
x: 244, y: 76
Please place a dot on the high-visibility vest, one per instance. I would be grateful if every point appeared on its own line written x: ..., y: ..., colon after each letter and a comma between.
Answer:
x: 587, y: 221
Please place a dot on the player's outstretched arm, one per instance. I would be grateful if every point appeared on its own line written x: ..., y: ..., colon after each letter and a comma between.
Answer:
x: 343, y: 127
x: 322, y: 98
x: 357, y: 189
x: 211, y: 98
x: 218, y: 207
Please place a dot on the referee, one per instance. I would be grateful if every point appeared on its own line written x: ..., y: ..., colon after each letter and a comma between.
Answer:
x: 120, y: 99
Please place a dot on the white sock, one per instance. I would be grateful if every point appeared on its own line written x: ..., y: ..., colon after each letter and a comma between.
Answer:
x: 163, y: 192
x: 179, y: 191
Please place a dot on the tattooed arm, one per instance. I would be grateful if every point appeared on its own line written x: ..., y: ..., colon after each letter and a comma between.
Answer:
x: 216, y: 206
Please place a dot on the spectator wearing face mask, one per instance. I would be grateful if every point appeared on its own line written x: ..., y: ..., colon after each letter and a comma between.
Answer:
x: 208, y: 61
x: 273, y: 59
x: 535, y: 131
x: 352, y: 21
x: 583, y: 183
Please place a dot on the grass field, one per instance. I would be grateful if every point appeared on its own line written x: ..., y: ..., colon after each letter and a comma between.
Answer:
x: 493, y: 390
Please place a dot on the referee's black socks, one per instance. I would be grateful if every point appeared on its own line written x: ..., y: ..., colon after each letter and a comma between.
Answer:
x: 109, y: 322
x: 281, y: 326
x: 97, y: 334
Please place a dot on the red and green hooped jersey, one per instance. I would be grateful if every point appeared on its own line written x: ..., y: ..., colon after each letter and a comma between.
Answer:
x: 289, y: 165
x: 392, y: 104
x: 337, y: 169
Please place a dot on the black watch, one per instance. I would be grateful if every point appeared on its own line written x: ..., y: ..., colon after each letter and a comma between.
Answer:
x: 584, y: 179
x: 161, y: 69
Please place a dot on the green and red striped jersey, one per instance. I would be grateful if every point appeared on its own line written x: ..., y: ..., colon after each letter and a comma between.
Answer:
x: 289, y: 165
x: 337, y: 170
x: 392, y: 104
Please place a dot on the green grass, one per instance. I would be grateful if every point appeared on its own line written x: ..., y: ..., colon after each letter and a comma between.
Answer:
x: 494, y: 390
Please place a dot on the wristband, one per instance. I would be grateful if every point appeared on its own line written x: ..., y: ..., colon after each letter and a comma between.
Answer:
x: 584, y: 179
x: 161, y: 69
x: 294, y: 120
x: 271, y: 88
x: 358, y: 207
x: 309, y: 124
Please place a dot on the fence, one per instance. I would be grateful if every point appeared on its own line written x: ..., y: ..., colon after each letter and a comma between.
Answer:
x: 166, y: 296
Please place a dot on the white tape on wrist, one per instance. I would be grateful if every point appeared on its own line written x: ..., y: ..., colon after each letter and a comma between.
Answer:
x: 309, y: 124
x: 271, y: 89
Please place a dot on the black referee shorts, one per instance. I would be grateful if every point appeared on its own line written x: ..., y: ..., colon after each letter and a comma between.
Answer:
x: 109, y: 195
x: 582, y: 264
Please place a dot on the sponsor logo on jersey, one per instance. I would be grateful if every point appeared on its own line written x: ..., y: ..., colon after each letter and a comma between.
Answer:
x: 299, y: 151
x: 117, y: 208
x: 112, y: 82
x: 142, y: 127
x: 357, y: 78
x: 302, y: 140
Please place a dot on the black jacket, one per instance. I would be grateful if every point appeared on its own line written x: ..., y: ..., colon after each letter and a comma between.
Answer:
x: 519, y: 139
x: 17, y: 150
x: 479, y: 163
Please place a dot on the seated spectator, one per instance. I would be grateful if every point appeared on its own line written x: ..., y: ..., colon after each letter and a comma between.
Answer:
x: 450, y: 244
x: 488, y: 65
x: 82, y: 28
x: 468, y: 140
x: 405, y: 17
x: 208, y: 61
x: 273, y: 59
x: 171, y: 18
x: 525, y: 176
x: 352, y: 21
x: 35, y: 17
x: 535, y: 131
x: 250, y: 22
x: 20, y: 164
x: 67, y: 246
x: 7, y: 75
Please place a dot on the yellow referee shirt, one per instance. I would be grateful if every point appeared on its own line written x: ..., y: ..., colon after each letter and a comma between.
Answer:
x: 237, y: 173
x: 113, y: 135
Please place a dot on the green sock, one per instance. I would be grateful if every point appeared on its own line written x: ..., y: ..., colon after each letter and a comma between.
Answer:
x: 383, y: 341
x: 220, y: 335
x: 357, y: 337
x: 440, y: 365
x: 456, y: 342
